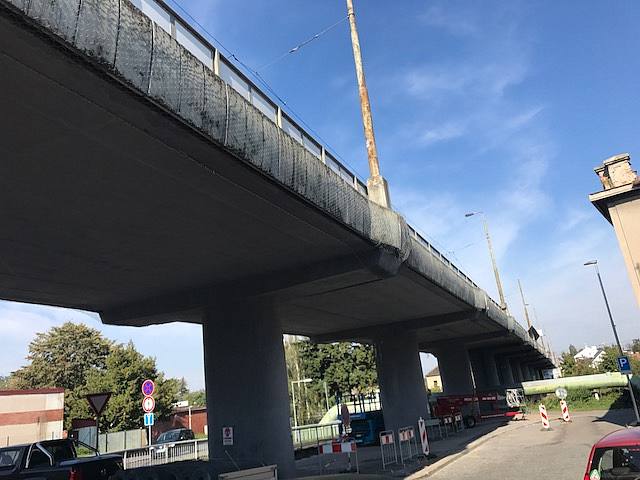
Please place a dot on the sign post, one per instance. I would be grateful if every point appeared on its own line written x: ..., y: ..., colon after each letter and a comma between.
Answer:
x: 148, y: 405
x: 97, y: 402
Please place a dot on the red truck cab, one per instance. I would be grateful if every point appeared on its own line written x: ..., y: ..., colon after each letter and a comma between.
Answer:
x: 615, y: 456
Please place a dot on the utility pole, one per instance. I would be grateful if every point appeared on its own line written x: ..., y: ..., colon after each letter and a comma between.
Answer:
x: 524, y: 304
x: 503, y: 303
x: 376, y: 184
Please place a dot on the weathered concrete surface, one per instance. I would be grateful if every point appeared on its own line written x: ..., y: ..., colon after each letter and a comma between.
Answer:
x: 246, y: 381
x: 402, y: 389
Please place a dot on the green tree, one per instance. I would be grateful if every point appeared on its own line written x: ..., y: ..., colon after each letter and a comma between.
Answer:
x: 571, y: 367
x: 609, y: 362
x: 346, y: 368
x: 125, y: 370
x: 4, y: 382
x: 64, y: 357
x: 196, y: 398
x: 635, y: 345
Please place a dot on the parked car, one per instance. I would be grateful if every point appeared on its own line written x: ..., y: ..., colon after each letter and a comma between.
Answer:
x: 176, y: 435
x: 615, y: 456
x: 56, y: 460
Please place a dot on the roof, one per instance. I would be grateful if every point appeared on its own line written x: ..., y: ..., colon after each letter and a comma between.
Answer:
x: 36, y: 391
x: 434, y: 372
x: 624, y: 436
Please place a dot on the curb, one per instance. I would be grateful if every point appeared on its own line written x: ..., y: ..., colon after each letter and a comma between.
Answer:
x: 480, y: 440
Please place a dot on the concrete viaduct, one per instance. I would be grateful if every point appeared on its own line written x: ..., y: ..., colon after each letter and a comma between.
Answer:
x: 144, y: 178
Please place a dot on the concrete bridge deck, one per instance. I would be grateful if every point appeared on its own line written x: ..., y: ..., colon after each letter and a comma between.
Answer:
x: 138, y: 184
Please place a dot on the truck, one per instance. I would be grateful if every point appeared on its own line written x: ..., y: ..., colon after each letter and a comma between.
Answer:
x: 65, y: 459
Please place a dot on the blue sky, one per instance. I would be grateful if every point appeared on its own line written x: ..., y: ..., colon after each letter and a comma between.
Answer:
x: 493, y: 106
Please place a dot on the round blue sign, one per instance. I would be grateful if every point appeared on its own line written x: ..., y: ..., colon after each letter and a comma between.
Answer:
x: 148, y: 387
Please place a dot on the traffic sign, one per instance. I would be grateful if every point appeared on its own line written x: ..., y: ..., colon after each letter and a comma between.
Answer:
x: 148, y: 404
x: 148, y: 388
x: 624, y: 365
x: 149, y: 419
x: 227, y: 435
x: 97, y: 401
x: 561, y: 393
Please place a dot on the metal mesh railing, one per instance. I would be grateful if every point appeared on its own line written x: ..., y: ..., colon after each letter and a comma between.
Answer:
x: 307, y: 436
x: 165, y: 453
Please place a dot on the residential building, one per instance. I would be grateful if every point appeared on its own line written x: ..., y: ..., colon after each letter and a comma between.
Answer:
x: 28, y: 416
x: 619, y: 203
x: 433, y: 380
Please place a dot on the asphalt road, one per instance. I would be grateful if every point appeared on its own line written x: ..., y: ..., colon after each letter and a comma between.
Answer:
x: 529, y: 453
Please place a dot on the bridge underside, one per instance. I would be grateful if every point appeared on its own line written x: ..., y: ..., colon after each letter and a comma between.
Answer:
x: 115, y: 202
x: 113, y: 206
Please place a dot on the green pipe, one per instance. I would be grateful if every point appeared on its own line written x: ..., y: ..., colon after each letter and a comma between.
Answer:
x: 600, y: 380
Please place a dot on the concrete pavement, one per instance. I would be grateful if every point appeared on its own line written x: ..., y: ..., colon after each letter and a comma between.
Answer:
x: 529, y: 453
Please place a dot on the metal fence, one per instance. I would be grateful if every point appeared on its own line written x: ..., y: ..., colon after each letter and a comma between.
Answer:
x: 166, y: 453
x: 307, y: 436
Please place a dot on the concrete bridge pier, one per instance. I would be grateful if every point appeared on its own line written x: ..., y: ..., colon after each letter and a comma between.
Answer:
x: 505, y: 372
x: 517, y: 370
x: 455, y: 370
x: 485, y: 369
x: 402, y: 389
x: 246, y: 382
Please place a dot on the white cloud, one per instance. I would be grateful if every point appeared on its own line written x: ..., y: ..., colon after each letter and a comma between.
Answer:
x: 441, y: 133
x: 458, y: 23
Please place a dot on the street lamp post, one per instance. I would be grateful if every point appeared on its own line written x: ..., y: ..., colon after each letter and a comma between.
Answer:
x: 503, y: 303
x: 293, y: 397
x: 615, y: 334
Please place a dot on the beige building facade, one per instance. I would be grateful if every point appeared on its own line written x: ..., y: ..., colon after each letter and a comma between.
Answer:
x: 619, y: 203
x: 28, y: 416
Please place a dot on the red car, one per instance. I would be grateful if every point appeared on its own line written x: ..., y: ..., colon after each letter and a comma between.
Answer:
x: 615, y: 456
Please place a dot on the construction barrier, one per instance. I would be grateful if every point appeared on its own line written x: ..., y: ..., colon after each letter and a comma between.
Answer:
x: 543, y: 416
x: 407, y: 443
x: 424, y: 440
x: 458, y: 423
x: 338, y: 447
x: 447, y: 421
x: 388, y: 448
x: 565, y: 411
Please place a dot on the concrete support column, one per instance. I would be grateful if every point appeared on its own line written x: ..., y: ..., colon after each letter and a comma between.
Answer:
x: 517, y: 370
x: 490, y: 369
x: 528, y: 373
x: 505, y: 371
x: 455, y: 370
x: 402, y: 389
x: 246, y: 384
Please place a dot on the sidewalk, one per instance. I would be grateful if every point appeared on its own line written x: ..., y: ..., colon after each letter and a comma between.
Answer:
x: 445, y: 451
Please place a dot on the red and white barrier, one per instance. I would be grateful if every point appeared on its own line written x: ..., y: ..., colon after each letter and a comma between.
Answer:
x: 406, y: 435
x: 543, y: 416
x: 386, y: 438
x: 388, y: 450
x: 565, y: 411
x: 338, y: 446
x: 423, y: 436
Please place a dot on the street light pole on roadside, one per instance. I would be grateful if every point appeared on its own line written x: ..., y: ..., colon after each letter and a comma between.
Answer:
x: 503, y: 303
x: 377, y: 187
x: 293, y: 397
x: 615, y: 334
